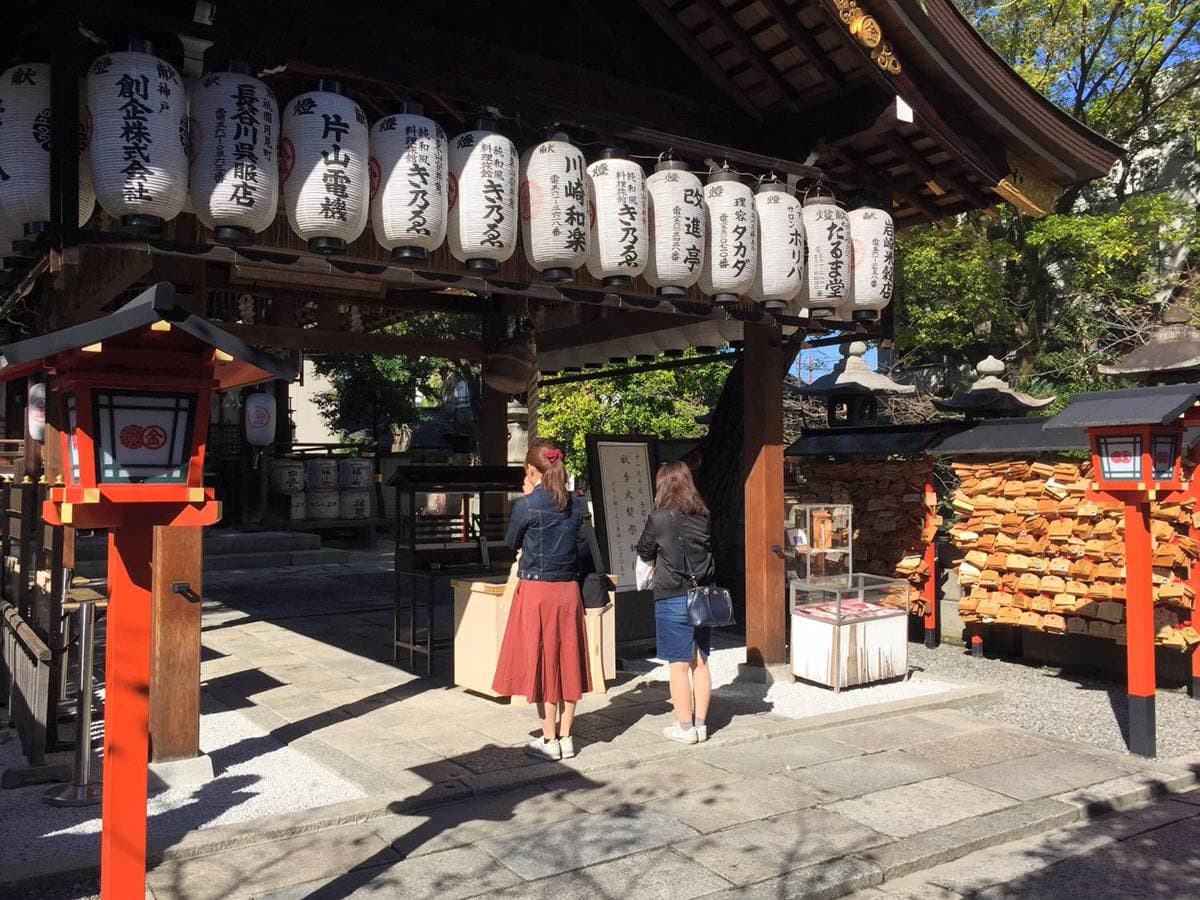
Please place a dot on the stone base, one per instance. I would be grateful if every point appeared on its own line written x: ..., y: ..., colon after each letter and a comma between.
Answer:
x: 181, y: 773
x: 780, y: 672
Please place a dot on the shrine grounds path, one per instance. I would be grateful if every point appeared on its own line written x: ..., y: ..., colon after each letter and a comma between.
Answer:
x: 338, y: 774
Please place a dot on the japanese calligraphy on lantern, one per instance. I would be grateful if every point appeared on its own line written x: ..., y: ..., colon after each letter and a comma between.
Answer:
x: 622, y: 479
x: 827, y: 234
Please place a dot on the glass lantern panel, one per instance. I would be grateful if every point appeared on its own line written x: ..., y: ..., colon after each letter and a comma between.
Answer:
x: 820, y: 539
x: 72, y: 446
x: 1166, y: 452
x: 1121, y: 457
x: 143, y: 437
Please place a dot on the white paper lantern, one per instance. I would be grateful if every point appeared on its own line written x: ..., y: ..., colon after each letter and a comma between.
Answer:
x: 482, y: 225
x: 25, y: 149
x: 323, y: 164
x: 235, y: 168
x: 409, y: 181
x: 554, y: 208
x: 137, y: 108
x: 260, y: 418
x: 620, y: 242
x: 675, y: 215
x: 828, y: 256
x: 731, y: 248
x: 780, y: 269
x: 874, y: 240
x: 35, y: 411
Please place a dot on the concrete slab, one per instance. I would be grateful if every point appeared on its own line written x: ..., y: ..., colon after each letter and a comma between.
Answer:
x: 651, y: 781
x: 896, y: 732
x: 1042, y: 775
x: 913, y: 808
x: 778, y: 754
x: 773, y: 847
x: 722, y: 806
x: 858, y: 775
x: 949, y: 842
x: 986, y: 747
x: 304, y: 857
x: 465, y: 822
x: 584, y: 840
x: 653, y: 875
x: 451, y: 875
x: 1128, y: 792
x: 823, y: 881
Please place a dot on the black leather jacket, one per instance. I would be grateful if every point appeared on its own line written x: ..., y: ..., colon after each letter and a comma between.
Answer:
x: 547, y: 538
x: 680, y: 549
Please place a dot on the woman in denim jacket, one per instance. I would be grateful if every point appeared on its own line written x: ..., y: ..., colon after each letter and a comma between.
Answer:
x: 544, y: 657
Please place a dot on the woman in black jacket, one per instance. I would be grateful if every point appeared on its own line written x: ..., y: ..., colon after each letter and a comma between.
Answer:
x: 676, y: 541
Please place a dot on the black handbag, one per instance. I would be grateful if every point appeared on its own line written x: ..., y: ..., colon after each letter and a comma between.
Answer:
x: 596, y: 585
x: 708, y: 605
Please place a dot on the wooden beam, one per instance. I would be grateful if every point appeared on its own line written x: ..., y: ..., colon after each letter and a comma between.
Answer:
x: 316, y: 340
x: 750, y: 50
x: 102, y: 276
x: 859, y: 162
x: 800, y: 35
x: 614, y: 326
x: 175, y: 645
x: 766, y: 622
x: 702, y: 59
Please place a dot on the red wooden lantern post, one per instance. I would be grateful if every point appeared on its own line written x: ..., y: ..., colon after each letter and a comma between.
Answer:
x: 133, y: 390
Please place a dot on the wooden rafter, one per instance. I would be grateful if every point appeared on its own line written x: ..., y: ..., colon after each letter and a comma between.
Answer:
x: 702, y: 58
x: 316, y: 340
x: 750, y: 49
x: 799, y: 35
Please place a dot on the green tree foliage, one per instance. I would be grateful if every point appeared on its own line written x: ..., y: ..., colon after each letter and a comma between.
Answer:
x: 375, y: 393
x: 661, y: 403
x: 1059, y: 295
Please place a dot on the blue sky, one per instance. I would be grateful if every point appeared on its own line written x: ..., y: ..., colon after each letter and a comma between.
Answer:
x: 814, y: 363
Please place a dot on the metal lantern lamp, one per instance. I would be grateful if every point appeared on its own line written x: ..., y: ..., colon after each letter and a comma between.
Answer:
x: 1137, y: 457
x: 1136, y: 438
x: 133, y: 396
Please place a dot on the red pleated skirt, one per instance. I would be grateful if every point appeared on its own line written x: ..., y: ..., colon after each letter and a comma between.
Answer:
x: 544, y: 654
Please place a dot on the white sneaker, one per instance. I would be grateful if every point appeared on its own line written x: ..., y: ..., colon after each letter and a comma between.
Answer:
x: 678, y: 733
x: 701, y: 733
x: 540, y: 748
x: 567, y: 747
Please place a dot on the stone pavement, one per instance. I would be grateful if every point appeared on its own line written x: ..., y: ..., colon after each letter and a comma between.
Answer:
x: 822, y: 813
x: 1149, y: 852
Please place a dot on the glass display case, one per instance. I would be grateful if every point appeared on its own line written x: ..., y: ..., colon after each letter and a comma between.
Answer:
x: 842, y: 633
x: 820, y: 542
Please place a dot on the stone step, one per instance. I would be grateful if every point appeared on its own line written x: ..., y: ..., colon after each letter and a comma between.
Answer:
x: 218, y: 543
x: 223, y: 562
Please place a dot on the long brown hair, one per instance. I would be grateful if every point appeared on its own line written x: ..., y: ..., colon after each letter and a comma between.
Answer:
x: 675, y: 489
x: 548, y: 460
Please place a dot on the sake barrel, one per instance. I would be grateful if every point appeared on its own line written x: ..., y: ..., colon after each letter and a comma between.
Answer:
x: 322, y: 504
x: 354, y: 503
x: 287, y: 476
x: 322, y: 474
x: 355, y: 473
x: 297, y: 506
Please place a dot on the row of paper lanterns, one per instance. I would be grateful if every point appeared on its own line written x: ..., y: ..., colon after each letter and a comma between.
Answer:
x: 148, y: 139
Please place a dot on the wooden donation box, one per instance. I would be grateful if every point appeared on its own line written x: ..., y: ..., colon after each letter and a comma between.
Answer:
x: 481, y: 611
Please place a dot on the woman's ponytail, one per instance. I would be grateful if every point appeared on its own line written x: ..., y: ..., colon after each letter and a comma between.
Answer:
x: 548, y: 460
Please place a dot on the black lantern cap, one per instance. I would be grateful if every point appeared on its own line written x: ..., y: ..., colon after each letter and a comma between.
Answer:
x: 1136, y: 406
x: 156, y: 303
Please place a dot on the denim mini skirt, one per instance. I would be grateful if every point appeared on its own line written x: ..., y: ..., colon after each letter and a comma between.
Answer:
x: 677, y: 638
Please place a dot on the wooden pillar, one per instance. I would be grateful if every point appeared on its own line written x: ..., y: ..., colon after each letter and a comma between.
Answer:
x: 1139, y: 624
x: 929, y: 592
x: 175, y: 645
x: 1191, y: 473
x: 493, y: 405
x: 766, y: 618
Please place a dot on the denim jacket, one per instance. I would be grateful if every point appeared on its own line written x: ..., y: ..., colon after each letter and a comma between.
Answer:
x: 547, y: 538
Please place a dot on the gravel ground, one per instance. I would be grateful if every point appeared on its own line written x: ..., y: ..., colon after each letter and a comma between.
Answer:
x: 256, y: 777
x: 793, y: 701
x: 1045, y: 700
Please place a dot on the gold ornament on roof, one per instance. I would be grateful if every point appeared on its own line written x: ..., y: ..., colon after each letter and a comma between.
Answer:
x: 868, y: 32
